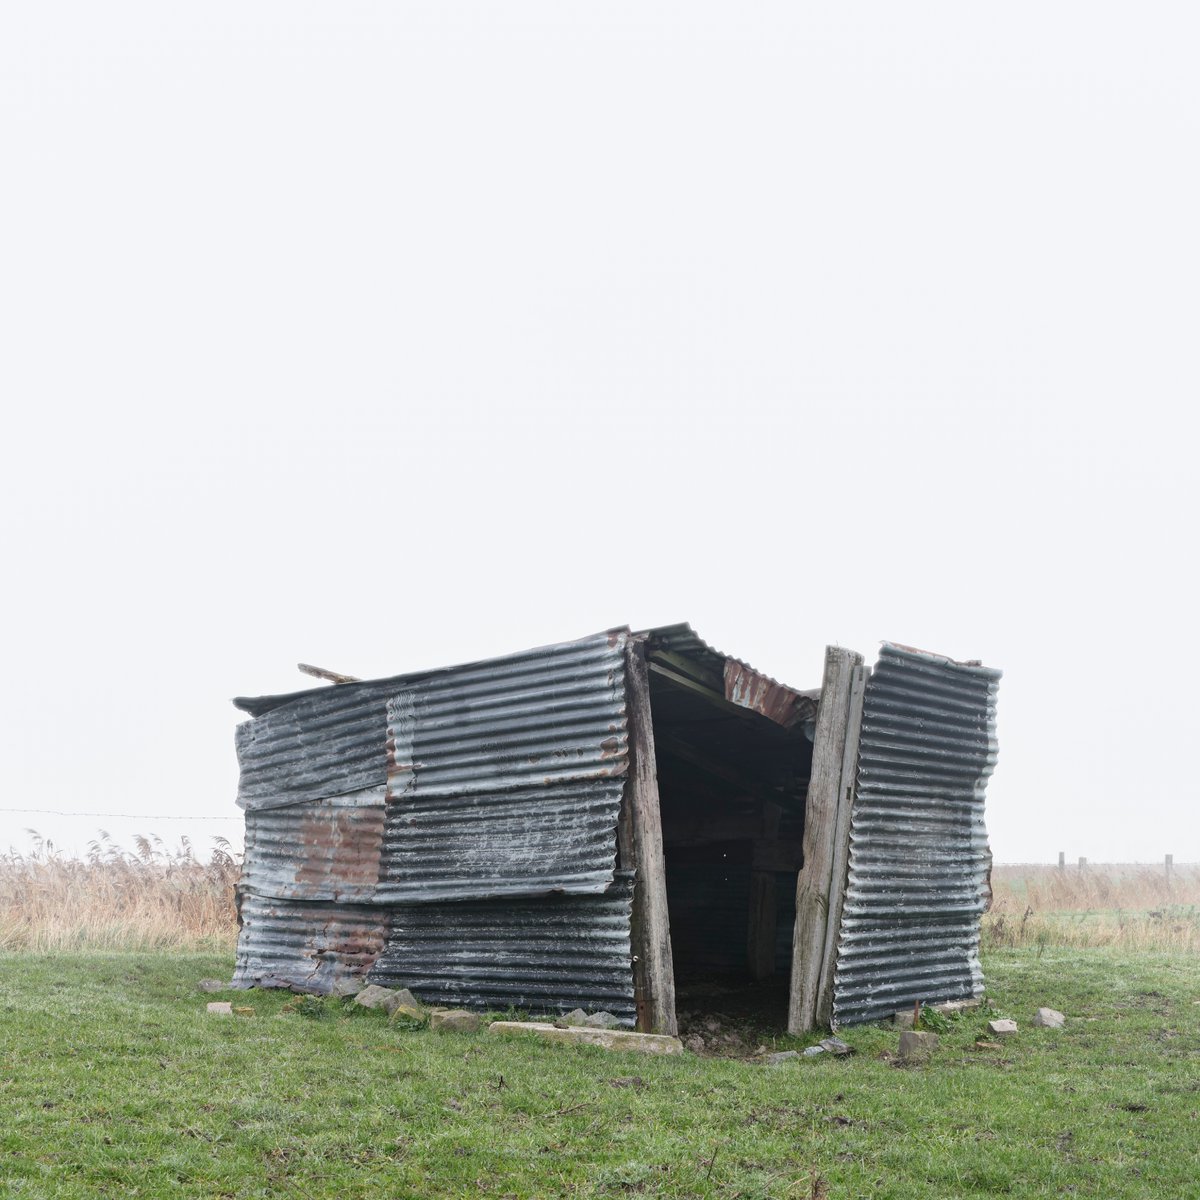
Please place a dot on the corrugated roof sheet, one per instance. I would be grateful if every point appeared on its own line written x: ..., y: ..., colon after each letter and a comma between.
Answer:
x: 919, y: 860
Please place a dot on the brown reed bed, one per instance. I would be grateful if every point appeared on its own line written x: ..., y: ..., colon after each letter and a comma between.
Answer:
x: 1127, y: 907
x: 153, y: 898
x: 156, y: 898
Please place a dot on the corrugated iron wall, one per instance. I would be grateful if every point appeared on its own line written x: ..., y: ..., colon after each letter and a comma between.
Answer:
x: 469, y: 814
x: 919, y: 867
x: 552, y: 953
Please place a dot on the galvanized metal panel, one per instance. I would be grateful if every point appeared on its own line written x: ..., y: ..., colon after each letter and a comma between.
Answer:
x: 549, y: 954
x: 306, y: 945
x: 552, y: 713
x: 512, y: 792
x: 918, y: 878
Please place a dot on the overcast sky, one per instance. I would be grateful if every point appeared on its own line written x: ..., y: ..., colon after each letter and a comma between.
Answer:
x: 386, y: 336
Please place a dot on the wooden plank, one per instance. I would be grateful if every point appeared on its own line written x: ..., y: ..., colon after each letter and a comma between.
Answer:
x: 762, y: 916
x: 841, y: 845
x: 820, y: 827
x: 322, y: 673
x: 653, y: 968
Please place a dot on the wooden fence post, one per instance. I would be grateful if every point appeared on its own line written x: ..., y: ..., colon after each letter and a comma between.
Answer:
x: 1062, y: 860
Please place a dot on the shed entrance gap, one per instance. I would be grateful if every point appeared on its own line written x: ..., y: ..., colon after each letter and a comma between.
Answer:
x: 732, y: 785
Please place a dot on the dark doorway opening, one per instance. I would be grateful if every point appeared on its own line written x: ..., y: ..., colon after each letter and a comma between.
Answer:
x: 732, y: 786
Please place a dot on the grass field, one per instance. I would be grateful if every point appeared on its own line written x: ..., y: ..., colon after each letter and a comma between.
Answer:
x: 115, y: 1082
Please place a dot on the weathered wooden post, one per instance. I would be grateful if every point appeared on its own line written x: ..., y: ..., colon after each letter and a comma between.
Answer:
x: 1082, y: 862
x: 1062, y: 860
x: 1169, y: 864
x: 821, y: 881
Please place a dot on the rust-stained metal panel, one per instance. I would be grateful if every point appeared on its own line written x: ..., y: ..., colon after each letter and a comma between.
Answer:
x: 549, y: 954
x: 307, y: 945
x: 919, y: 869
x: 734, y: 680
x: 319, y: 850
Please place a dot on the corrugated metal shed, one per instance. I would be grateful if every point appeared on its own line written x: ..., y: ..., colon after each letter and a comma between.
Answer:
x: 919, y: 864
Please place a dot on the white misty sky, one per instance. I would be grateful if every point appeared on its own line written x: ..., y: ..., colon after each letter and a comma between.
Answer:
x: 392, y: 335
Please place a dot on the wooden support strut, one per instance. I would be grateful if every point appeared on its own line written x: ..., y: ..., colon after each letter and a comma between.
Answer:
x: 814, y: 884
x: 640, y: 843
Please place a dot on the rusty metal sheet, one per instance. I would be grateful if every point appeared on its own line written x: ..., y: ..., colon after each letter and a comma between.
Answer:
x: 919, y: 869
x: 549, y: 954
x: 305, y: 945
x: 737, y: 681
x: 320, y: 850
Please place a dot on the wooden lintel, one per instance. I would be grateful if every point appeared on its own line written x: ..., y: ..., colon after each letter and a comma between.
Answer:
x: 650, y: 926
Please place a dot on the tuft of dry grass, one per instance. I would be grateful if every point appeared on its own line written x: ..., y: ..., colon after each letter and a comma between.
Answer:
x: 153, y: 899
x: 1127, y: 907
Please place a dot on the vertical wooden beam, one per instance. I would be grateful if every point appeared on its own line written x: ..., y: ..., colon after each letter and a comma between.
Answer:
x: 762, y: 917
x: 841, y: 844
x: 820, y: 828
x: 653, y: 968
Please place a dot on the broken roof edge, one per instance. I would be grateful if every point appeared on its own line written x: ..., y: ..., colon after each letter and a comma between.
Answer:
x: 974, y: 665
x: 739, y: 682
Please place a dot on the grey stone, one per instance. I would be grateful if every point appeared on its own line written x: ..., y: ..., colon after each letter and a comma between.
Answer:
x: 1002, y: 1028
x: 213, y: 985
x: 607, y: 1039
x: 219, y: 1008
x: 601, y: 1020
x: 575, y: 1017
x: 903, y: 1019
x: 374, y: 996
x: 345, y: 988
x: 455, y: 1020
x: 836, y: 1046
x: 813, y: 1051
x: 773, y: 1060
x: 1049, y: 1018
x: 917, y: 1046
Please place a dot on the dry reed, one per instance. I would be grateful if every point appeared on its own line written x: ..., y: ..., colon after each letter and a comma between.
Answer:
x: 154, y: 899
x: 1127, y: 907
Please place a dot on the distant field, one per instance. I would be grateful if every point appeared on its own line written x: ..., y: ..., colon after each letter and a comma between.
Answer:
x: 159, y: 899
x: 1119, y: 905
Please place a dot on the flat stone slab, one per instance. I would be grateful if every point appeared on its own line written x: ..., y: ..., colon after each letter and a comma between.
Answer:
x: 1002, y: 1028
x: 219, y: 1008
x: 917, y: 1046
x: 455, y: 1020
x: 606, y: 1039
x: 1049, y: 1018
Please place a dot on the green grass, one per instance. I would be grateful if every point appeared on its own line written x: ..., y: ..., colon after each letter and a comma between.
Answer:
x: 114, y: 1082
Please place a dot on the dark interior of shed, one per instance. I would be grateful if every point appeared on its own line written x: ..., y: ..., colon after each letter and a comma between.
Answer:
x: 732, y: 786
